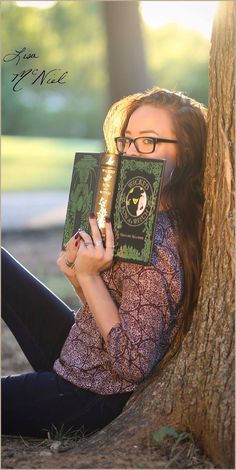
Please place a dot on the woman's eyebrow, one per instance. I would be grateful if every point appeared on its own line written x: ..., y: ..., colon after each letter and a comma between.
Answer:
x: 149, y: 131
x: 145, y: 132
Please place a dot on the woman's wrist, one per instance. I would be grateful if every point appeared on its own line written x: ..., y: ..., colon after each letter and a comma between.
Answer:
x: 84, y: 278
x: 72, y: 278
x: 76, y: 285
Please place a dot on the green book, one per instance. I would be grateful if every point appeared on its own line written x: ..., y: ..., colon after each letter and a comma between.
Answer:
x: 126, y: 189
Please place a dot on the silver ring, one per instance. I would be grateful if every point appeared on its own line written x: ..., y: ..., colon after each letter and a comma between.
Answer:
x: 69, y: 264
x: 98, y: 243
x: 112, y: 247
x: 88, y: 243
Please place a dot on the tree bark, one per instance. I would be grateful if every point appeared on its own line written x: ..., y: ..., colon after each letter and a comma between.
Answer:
x: 127, y: 68
x: 195, y: 391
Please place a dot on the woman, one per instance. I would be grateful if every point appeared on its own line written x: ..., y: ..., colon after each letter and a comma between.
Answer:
x: 87, y: 366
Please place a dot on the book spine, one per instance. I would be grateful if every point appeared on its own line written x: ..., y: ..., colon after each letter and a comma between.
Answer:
x: 109, y: 166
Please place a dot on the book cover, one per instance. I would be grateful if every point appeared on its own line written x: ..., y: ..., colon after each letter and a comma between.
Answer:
x: 126, y: 189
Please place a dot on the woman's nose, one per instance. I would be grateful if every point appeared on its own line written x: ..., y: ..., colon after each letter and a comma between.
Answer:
x: 132, y: 150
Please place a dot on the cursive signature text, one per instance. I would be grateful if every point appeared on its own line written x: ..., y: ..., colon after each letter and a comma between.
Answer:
x: 18, y: 55
x: 36, y: 75
x: 42, y: 77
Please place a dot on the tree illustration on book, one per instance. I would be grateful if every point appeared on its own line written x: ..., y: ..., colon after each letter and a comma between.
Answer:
x: 81, y: 195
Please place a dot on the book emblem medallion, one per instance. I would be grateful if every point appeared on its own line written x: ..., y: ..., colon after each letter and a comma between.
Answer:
x: 136, y: 201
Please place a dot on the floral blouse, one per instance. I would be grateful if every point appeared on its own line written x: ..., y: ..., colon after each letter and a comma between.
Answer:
x: 149, y: 301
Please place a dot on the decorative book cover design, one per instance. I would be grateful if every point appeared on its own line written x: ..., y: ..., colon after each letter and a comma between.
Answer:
x: 126, y: 189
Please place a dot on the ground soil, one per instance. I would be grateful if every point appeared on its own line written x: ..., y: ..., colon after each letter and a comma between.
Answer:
x: 38, y: 251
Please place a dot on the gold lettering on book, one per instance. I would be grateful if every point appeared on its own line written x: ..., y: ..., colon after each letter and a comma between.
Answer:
x: 101, y: 214
x: 105, y: 190
x: 110, y: 160
x: 127, y: 235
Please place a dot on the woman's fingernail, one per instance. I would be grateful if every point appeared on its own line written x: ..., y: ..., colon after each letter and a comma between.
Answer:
x: 108, y: 220
x: 92, y: 215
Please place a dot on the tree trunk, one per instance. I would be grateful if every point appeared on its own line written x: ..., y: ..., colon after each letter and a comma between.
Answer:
x: 195, y: 391
x: 125, y: 50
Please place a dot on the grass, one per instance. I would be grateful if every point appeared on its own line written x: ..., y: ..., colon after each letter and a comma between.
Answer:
x: 65, y: 435
x: 38, y: 163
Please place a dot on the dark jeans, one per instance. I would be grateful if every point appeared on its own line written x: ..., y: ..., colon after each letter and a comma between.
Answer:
x: 33, y: 402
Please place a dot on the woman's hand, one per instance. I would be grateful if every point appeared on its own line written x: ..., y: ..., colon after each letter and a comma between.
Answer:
x: 66, y: 261
x: 67, y: 256
x: 92, y: 257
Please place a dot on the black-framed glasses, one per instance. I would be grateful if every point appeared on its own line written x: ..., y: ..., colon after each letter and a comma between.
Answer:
x: 142, y: 144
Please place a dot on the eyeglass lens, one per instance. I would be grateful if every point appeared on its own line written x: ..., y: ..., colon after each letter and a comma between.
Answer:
x: 142, y: 144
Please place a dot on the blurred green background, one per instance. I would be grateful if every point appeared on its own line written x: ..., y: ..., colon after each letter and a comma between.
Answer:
x: 108, y: 49
x: 95, y: 42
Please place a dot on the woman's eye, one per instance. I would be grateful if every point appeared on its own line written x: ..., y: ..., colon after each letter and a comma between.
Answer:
x: 147, y: 141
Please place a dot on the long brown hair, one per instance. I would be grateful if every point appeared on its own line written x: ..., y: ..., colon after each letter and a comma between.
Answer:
x: 183, y: 194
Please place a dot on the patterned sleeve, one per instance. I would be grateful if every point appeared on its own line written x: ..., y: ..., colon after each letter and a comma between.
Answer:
x: 150, y: 303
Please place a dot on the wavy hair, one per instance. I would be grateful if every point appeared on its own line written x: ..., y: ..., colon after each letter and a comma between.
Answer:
x: 183, y: 195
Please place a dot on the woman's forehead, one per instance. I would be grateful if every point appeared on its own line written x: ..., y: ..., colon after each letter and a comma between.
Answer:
x: 150, y: 118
